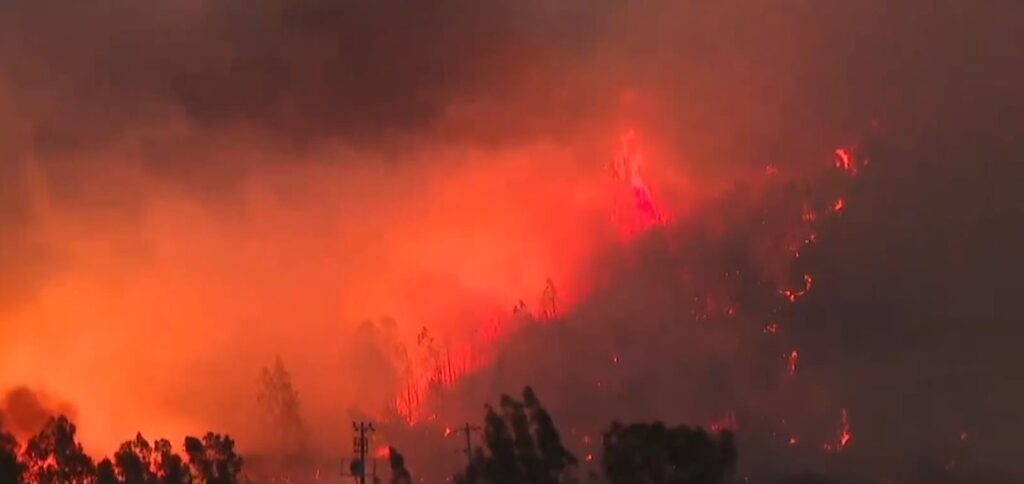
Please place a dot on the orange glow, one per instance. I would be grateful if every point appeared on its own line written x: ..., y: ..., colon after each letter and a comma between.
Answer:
x: 728, y: 422
x: 791, y: 361
x: 792, y: 295
x: 627, y: 165
x: 793, y: 440
x: 844, y: 161
x: 383, y: 452
x: 838, y: 205
x: 843, y: 435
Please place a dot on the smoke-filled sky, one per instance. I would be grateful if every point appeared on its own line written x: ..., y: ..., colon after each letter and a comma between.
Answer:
x: 189, y: 189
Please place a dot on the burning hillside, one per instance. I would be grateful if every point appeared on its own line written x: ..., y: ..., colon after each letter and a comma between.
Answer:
x: 799, y: 222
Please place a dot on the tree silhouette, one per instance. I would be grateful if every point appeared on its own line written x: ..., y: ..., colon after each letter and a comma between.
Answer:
x: 280, y: 402
x: 653, y: 454
x: 105, y: 473
x: 213, y: 459
x: 138, y: 462
x: 133, y: 461
x: 520, y: 445
x: 169, y: 467
x: 54, y: 457
x: 11, y: 469
x: 399, y: 474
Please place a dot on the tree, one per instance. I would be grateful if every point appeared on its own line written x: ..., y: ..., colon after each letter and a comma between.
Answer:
x: 169, y: 467
x: 520, y: 445
x: 133, y: 461
x: 280, y: 402
x: 138, y: 462
x: 105, y: 473
x: 213, y: 459
x: 399, y: 474
x: 11, y: 469
x: 652, y: 453
x: 54, y: 457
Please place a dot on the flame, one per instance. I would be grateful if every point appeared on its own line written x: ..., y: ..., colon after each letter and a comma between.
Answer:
x: 792, y: 295
x: 627, y: 166
x: 839, y: 205
x: 843, y: 435
x: 791, y: 361
x: 383, y: 452
x: 844, y: 161
x: 726, y: 423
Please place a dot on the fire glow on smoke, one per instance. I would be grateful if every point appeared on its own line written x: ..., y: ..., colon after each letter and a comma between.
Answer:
x: 633, y: 216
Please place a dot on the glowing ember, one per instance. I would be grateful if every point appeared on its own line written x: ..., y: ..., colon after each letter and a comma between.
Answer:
x: 726, y: 423
x: 383, y: 452
x: 448, y: 431
x: 844, y: 161
x: 808, y: 214
x: 791, y: 361
x: 793, y: 440
x: 793, y: 295
x: 843, y: 435
x: 838, y: 205
x: 771, y: 328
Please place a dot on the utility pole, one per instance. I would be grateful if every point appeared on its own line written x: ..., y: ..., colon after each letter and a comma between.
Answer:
x: 360, y: 447
x: 468, y: 431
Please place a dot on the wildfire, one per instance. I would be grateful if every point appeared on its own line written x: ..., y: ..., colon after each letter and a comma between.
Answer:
x: 808, y: 214
x: 793, y: 294
x: 791, y: 361
x: 845, y: 162
x: 726, y: 423
x: 627, y: 166
x: 843, y: 435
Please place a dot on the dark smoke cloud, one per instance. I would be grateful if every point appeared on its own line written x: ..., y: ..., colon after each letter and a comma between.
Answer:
x: 24, y: 411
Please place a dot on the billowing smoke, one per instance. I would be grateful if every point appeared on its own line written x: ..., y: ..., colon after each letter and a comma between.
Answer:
x: 189, y: 190
x: 24, y: 411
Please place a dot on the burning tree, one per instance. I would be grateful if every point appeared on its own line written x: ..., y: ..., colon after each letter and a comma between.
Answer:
x: 55, y: 457
x: 213, y: 459
x: 280, y: 402
x: 138, y: 462
x: 11, y: 469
